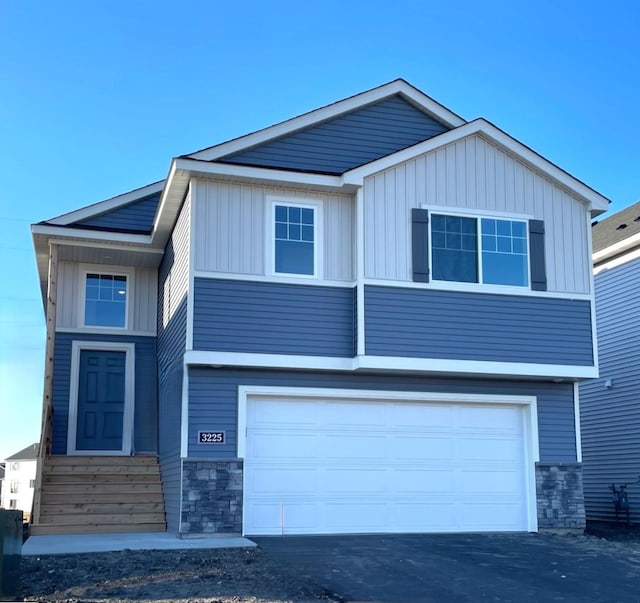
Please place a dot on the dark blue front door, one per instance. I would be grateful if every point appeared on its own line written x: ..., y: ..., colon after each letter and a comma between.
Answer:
x: 101, y: 400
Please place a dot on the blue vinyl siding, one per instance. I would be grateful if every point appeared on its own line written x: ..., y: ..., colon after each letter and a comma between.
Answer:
x: 145, y: 411
x: 213, y: 402
x: 425, y: 323
x: 171, y: 348
x: 273, y: 318
x: 347, y: 141
x: 134, y: 217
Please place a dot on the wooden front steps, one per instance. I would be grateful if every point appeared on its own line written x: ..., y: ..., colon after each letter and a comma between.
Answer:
x: 100, y: 494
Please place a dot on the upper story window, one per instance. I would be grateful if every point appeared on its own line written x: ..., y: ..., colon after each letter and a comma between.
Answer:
x: 490, y: 251
x: 14, y: 486
x: 295, y: 239
x: 105, y: 302
x: 15, y: 466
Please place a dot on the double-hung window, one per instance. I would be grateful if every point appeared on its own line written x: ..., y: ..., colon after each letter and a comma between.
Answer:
x: 487, y: 250
x: 295, y: 239
x: 105, y: 303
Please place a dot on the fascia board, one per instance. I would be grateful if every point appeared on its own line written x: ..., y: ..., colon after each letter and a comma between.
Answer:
x: 101, y: 207
x: 596, y: 201
x: 89, y: 235
x: 616, y: 248
x: 317, y: 116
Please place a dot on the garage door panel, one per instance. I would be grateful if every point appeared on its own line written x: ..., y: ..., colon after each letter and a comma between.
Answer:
x: 349, y: 466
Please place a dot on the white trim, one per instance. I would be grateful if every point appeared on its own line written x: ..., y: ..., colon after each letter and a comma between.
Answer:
x: 576, y: 416
x: 191, y: 265
x: 617, y: 261
x: 397, y: 364
x: 106, y: 270
x: 531, y: 435
x: 317, y: 206
x: 474, y: 212
x: 360, y: 275
x: 594, y: 318
x: 259, y: 278
x: 129, y: 395
x: 66, y: 234
x: 184, y: 413
x: 107, y: 246
x: 596, y: 201
x: 616, y: 248
x: 102, y: 207
x: 450, y: 286
x: 333, y: 110
x: 106, y: 331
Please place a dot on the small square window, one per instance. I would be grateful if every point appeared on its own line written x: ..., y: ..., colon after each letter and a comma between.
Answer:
x: 32, y: 483
x: 294, y: 240
x: 105, y: 303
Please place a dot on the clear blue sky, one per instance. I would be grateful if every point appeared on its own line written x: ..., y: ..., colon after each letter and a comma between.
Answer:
x: 97, y: 96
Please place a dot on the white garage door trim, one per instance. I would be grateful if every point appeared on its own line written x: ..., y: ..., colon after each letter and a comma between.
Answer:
x: 528, y: 403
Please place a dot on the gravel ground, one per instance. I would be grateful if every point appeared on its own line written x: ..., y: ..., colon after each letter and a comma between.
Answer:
x: 207, y: 576
x: 210, y: 576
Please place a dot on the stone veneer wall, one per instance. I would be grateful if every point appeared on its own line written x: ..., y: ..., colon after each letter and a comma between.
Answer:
x: 211, y: 497
x: 560, y: 496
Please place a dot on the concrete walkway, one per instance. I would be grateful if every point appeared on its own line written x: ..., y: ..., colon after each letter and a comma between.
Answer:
x: 100, y: 543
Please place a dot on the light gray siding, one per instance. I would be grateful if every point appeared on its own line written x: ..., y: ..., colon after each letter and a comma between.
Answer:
x: 145, y: 410
x: 213, y: 402
x: 473, y: 174
x: 172, y: 334
x: 347, y: 141
x: 273, y: 318
x: 425, y: 323
x: 143, y: 291
x: 230, y: 228
x: 136, y: 217
x: 610, y: 417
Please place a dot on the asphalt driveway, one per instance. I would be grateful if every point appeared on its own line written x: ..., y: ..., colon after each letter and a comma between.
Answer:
x: 465, y: 567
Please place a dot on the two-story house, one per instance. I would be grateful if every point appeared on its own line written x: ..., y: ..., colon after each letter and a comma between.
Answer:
x: 19, y: 474
x: 372, y: 317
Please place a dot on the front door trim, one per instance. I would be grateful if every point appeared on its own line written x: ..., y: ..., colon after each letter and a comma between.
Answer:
x: 129, y: 395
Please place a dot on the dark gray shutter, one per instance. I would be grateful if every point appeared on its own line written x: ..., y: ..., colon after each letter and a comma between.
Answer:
x: 420, y: 244
x: 536, y: 255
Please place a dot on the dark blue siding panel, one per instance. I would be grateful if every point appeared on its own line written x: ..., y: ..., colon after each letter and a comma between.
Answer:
x: 171, y: 347
x: 425, y: 323
x: 347, y: 141
x: 134, y: 217
x: 213, y: 402
x: 145, y: 412
x: 273, y: 318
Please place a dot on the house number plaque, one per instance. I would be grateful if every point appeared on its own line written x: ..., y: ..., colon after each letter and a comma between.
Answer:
x: 211, y: 437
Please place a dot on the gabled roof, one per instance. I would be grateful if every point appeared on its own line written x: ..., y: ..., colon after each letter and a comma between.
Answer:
x: 617, y: 233
x: 30, y: 453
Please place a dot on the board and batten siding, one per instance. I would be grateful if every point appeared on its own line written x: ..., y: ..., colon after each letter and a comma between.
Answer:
x: 145, y: 410
x: 230, y: 228
x: 213, y: 402
x: 143, y: 294
x: 172, y: 336
x: 273, y: 318
x: 426, y: 323
x: 610, y: 416
x: 473, y: 174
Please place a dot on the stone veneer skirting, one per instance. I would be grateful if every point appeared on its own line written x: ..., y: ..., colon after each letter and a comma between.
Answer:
x: 560, y: 497
x: 211, y: 497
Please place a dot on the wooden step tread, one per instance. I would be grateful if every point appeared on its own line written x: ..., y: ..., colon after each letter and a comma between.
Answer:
x: 102, y: 518
x: 41, y: 529
x: 102, y: 488
x: 101, y: 460
x: 71, y: 478
x: 71, y: 498
x: 102, y: 469
x: 102, y: 508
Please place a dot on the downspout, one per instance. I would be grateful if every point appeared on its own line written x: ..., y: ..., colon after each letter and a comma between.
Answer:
x: 44, y: 449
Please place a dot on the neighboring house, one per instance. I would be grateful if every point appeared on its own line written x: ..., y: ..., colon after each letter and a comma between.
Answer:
x: 1, y: 482
x: 369, y: 318
x: 19, y: 480
x: 610, y: 408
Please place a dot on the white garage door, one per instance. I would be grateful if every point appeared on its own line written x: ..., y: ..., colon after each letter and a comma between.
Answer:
x: 352, y: 466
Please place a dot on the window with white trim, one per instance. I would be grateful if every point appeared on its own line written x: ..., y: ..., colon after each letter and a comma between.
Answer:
x: 14, y: 486
x: 484, y: 250
x: 295, y: 239
x: 105, y: 302
x: 13, y: 503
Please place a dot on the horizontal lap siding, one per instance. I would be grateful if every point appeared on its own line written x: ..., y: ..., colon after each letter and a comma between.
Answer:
x: 346, y: 141
x: 610, y: 417
x: 172, y: 334
x: 424, y: 323
x: 145, y: 418
x: 213, y: 402
x: 473, y: 174
x: 270, y: 318
x: 135, y: 217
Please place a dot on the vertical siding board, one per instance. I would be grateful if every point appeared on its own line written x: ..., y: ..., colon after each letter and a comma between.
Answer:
x: 473, y: 174
x: 213, y: 395
x: 610, y: 416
